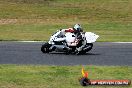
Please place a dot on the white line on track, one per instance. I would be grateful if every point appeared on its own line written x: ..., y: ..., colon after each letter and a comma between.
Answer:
x: 30, y: 41
x: 121, y: 42
x: 45, y: 41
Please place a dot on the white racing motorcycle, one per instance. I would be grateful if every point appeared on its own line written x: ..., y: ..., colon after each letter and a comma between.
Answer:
x: 71, y: 43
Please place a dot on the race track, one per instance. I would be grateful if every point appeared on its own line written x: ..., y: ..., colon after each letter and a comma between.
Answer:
x: 101, y: 54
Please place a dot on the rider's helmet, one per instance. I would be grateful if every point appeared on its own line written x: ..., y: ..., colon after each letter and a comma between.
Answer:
x: 77, y: 28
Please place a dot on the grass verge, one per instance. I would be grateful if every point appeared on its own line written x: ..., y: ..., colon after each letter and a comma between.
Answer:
x: 109, y: 32
x: 30, y: 76
x: 38, y: 19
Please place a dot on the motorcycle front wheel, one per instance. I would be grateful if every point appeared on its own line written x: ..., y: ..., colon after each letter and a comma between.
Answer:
x: 89, y: 46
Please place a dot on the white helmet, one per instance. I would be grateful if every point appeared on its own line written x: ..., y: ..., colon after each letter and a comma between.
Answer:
x: 77, y: 28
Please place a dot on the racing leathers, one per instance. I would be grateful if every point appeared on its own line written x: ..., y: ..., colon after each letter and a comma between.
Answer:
x: 60, y: 36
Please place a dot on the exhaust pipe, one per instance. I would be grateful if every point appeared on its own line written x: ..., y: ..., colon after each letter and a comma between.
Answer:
x: 61, y: 47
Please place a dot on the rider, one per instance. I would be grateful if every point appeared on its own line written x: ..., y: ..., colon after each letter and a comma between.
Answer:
x: 76, y: 29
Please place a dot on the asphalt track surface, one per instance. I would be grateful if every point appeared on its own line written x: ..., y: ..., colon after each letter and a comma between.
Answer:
x: 117, y: 54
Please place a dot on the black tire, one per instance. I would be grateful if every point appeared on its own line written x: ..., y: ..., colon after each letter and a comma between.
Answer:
x: 90, y: 45
x: 85, y: 81
x: 45, y: 48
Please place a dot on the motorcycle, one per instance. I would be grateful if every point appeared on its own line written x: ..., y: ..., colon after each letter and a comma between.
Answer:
x: 70, y: 43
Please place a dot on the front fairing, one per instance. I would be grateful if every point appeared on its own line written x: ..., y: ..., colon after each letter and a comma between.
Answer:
x: 91, y: 37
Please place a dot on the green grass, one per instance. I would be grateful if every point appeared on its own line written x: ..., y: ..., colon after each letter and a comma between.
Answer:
x: 30, y: 76
x: 115, y: 31
x: 38, y: 19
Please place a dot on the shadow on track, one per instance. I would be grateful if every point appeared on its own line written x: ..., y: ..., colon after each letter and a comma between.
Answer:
x: 91, y: 54
x: 62, y: 53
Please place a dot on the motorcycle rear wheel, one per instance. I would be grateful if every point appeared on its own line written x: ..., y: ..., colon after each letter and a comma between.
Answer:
x: 45, y: 48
